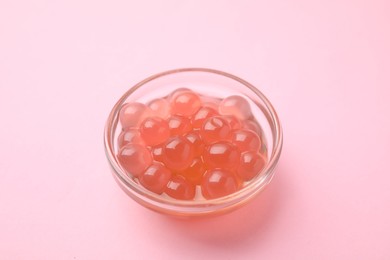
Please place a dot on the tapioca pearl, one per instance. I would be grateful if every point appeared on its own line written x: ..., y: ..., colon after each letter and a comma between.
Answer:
x: 251, y: 164
x: 155, y: 177
x: 236, y: 106
x: 178, y: 153
x: 131, y: 135
x: 134, y: 158
x: 185, y: 103
x: 196, y: 141
x: 255, y: 127
x: 180, y: 188
x: 176, y: 92
x: 221, y: 155
x: 160, y: 107
x: 154, y: 131
x: 179, y: 125
x: 195, y: 171
x: 218, y: 183
x: 215, y: 129
x: 132, y: 114
x: 199, y: 117
x: 246, y: 140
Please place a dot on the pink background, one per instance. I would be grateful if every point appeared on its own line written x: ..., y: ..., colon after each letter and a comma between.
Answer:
x: 324, y: 64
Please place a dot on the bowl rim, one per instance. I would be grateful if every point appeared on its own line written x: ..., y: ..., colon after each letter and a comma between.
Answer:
x: 146, y: 195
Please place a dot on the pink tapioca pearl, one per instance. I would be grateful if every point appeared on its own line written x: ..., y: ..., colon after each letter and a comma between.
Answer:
x: 134, y: 158
x: 221, y: 155
x: 246, y: 140
x: 180, y: 188
x: 154, y: 131
x: 251, y: 164
x: 178, y: 153
x: 236, y: 106
x: 255, y: 127
x: 172, y: 95
x: 130, y: 135
x: 160, y: 107
x: 218, y: 183
x: 179, y: 125
x: 185, y: 103
x: 155, y: 178
x: 132, y: 114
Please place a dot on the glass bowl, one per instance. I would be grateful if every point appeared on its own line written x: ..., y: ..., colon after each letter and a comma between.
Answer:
x: 211, y: 83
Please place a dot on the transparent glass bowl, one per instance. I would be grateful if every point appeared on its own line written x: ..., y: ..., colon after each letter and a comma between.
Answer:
x: 210, y: 83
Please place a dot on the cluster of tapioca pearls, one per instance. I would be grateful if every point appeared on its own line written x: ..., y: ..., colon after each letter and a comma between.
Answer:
x: 174, y: 144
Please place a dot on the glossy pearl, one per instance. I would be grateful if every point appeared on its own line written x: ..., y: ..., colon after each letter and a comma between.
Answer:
x: 221, y: 155
x: 131, y: 135
x: 160, y: 107
x: 179, y: 125
x: 154, y: 131
x: 246, y: 140
x: 180, y: 188
x: 176, y: 92
x: 134, y: 158
x: 178, y: 153
x: 251, y: 164
x: 236, y: 106
x: 155, y: 178
x: 185, y: 103
x: 217, y: 183
x: 132, y: 114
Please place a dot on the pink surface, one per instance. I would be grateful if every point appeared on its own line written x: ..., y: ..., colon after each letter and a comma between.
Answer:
x: 324, y: 65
